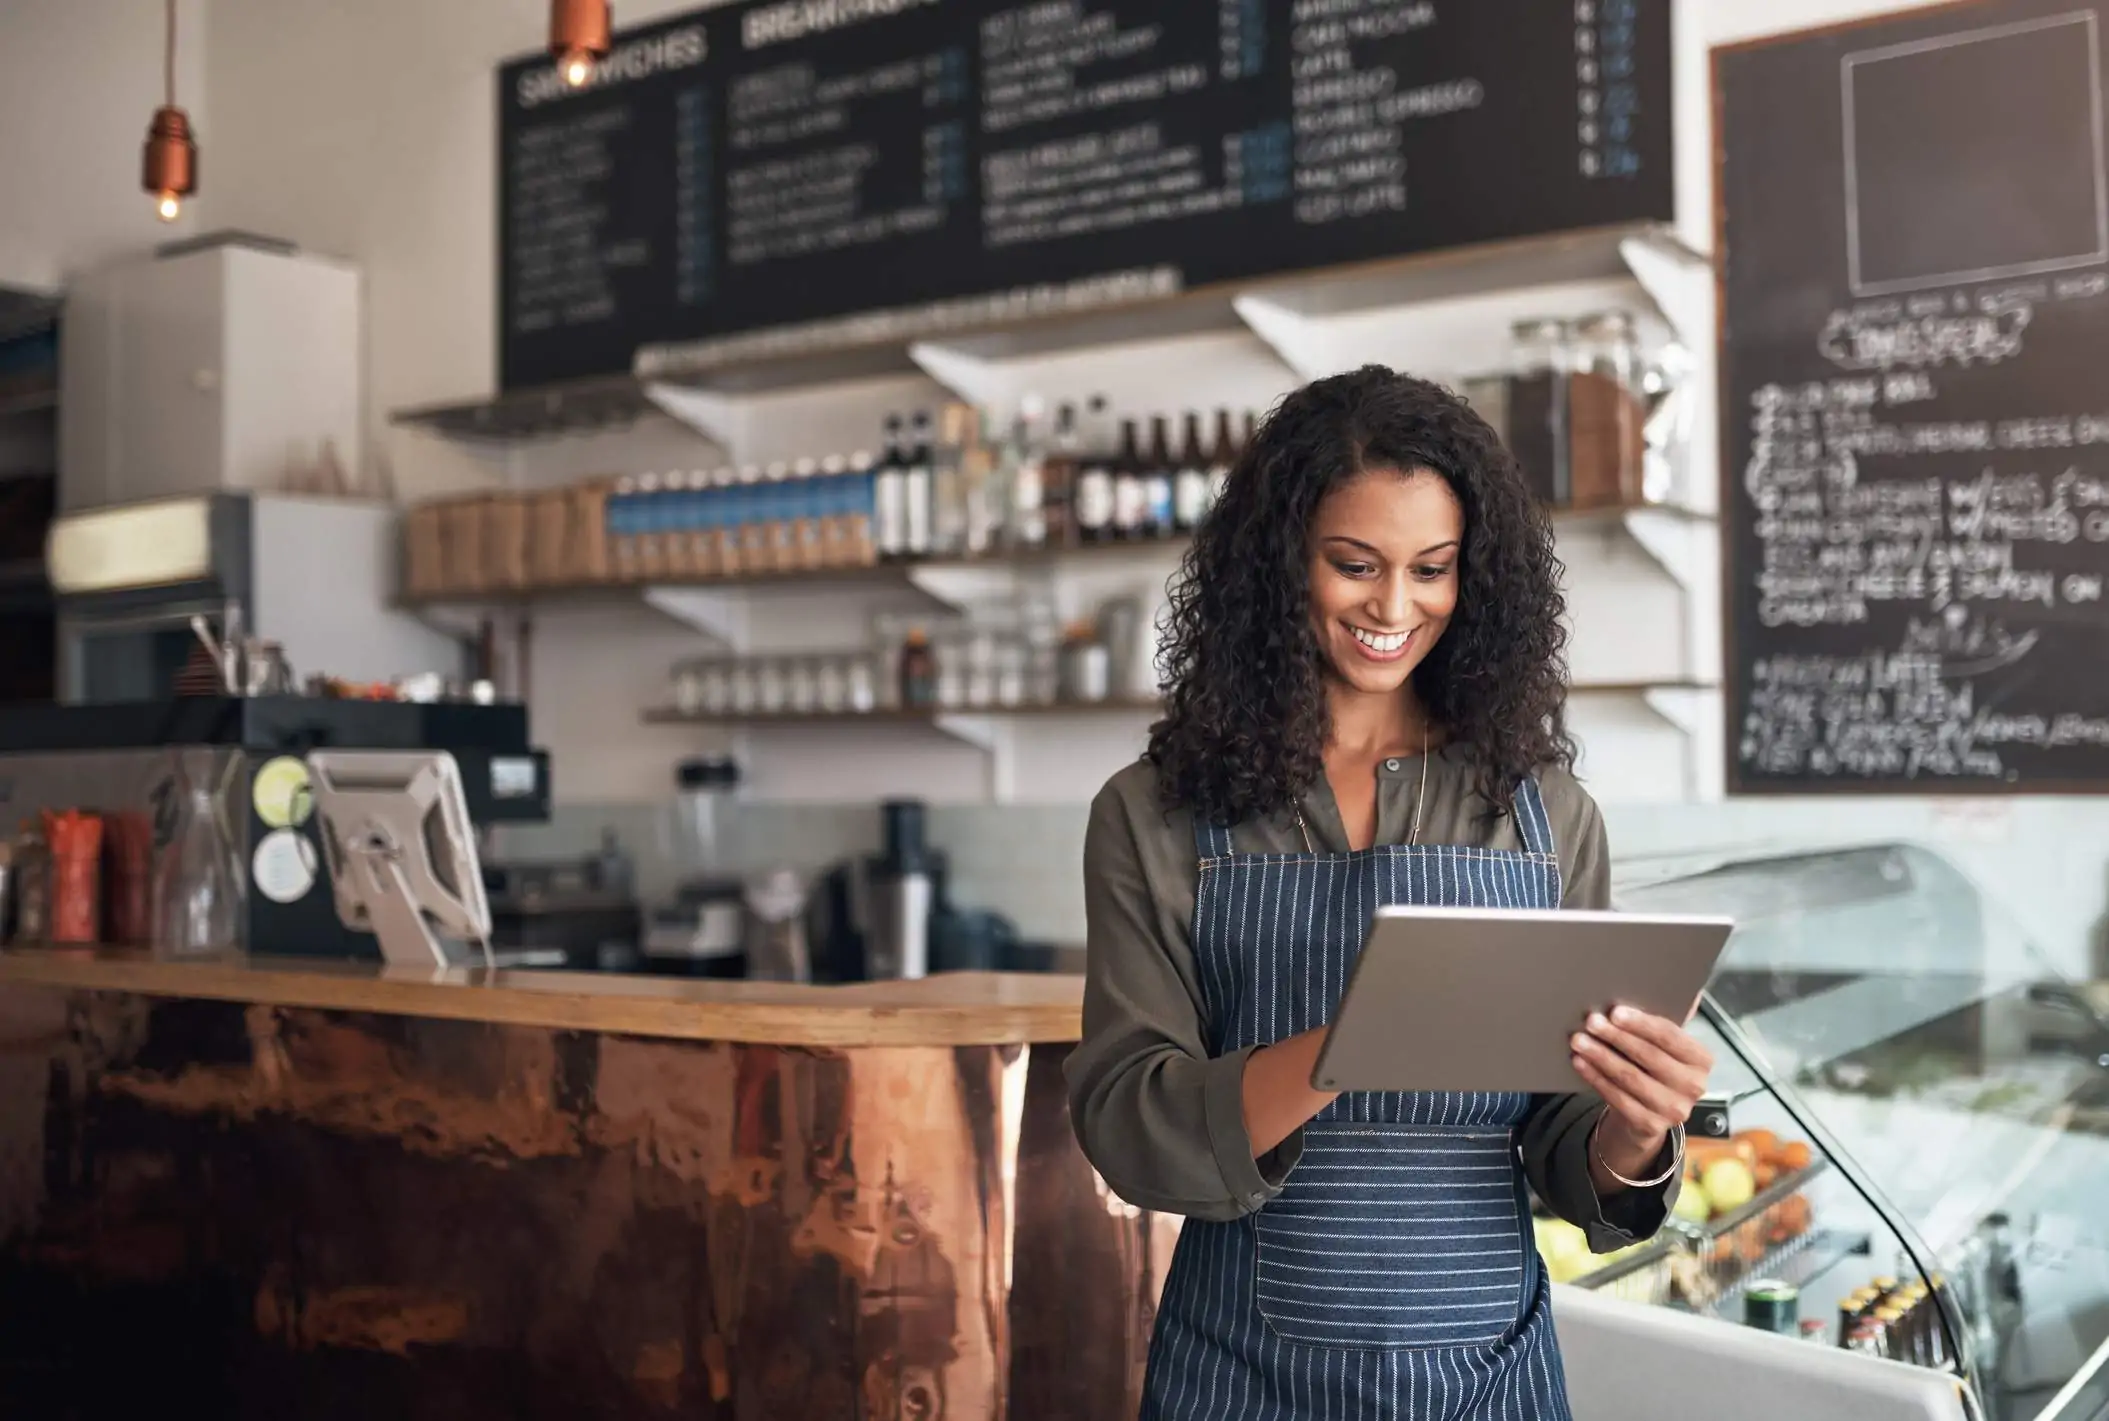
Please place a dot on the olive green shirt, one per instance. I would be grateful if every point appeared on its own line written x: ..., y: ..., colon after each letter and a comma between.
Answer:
x: 1161, y: 1120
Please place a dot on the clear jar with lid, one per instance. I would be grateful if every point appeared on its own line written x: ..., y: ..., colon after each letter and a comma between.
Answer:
x: 864, y: 681
x: 773, y: 687
x: 688, y: 688
x: 1535, y: 407
x: 715, y: 681
x: 745, y: 697
x: 802, y: 683
x: 1011, y: 657
x: 1607, y: 414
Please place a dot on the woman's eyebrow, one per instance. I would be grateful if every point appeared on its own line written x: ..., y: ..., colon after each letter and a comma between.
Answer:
x: 1428, y: 551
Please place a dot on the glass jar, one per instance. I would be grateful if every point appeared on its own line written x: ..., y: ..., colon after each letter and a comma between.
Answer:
x: 981, y: 666
x: 714, y: 681
x: 1534, y: 408
x: 773, y: 687
x: 745, y: 697
x: 831, y: 677
x: 1011, y: 656
x: 803, y: 686
x: 863, y: 684
x: 688, y: 689
x: 953, y: 649
x: 1606, y: 412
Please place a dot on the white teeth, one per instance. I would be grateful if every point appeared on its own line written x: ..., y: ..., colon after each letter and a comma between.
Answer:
x: 1374, y: 642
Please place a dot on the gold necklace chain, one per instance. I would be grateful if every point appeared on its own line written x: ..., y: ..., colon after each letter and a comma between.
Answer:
x: 1420, y: 803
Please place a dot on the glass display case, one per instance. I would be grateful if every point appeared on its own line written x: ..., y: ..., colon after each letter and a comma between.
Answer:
x: 1914, y: 1112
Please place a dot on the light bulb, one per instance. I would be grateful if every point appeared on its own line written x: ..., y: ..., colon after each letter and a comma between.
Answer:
x: 577, y: 67
x: 169, y: 207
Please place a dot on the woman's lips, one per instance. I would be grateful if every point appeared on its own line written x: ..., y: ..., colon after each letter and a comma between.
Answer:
x: 1389, y: 647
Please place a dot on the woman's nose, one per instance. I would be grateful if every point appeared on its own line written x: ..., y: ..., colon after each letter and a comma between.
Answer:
x: 1391, y: 601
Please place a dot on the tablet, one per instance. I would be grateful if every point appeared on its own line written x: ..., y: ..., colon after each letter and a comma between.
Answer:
x: 1486, y: 999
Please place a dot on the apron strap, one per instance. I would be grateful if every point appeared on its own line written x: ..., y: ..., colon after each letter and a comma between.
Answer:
x: 1531, y: 819
x: 1211, y: 840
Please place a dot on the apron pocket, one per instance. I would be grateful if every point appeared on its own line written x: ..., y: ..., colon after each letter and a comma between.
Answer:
x: 1390, y: 1237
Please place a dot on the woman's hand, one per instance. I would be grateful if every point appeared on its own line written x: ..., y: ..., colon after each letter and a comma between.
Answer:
x: 1650, y: 1072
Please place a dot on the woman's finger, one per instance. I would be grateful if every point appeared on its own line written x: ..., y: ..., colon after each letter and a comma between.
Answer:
x: 1618, y: 1100
x: 1657, y: 1101
x: 1665, y: 1035
x: 1644, y: 1053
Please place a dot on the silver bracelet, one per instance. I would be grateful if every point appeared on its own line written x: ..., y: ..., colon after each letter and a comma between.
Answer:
x: 1676, y: 1159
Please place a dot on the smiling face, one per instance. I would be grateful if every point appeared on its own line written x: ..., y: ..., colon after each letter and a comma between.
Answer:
x: 1384, y: 551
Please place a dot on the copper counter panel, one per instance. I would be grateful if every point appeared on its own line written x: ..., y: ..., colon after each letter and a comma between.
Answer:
x: 276, y: 1212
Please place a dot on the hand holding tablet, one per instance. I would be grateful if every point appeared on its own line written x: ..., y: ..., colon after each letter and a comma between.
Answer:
x: 1489, y: 999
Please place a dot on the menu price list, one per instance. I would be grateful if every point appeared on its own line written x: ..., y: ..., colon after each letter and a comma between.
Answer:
x: 775, y: 164
x: 1917, y: 482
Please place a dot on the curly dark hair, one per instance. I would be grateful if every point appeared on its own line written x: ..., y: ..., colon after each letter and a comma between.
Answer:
x: 1247, y: 716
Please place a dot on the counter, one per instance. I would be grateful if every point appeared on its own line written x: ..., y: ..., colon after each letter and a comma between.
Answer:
x: 957, y: 1009
x: 306, y: 1188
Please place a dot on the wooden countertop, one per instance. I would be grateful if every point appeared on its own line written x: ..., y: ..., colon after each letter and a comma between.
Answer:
x: 955, y: 1009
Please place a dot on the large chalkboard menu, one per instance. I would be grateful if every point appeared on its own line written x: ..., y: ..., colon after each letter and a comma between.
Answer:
x: 786, y: 162
x: 1915, y: 402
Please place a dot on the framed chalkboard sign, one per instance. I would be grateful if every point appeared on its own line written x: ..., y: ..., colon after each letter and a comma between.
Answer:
x: 1914, y: 287
x: 779, y: 162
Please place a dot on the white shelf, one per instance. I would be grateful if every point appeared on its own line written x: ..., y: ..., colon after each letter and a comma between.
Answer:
x: 1299, y: 318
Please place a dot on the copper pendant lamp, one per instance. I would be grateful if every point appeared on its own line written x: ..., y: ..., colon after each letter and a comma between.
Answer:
x: 170, y: 170
x: 578, y: 37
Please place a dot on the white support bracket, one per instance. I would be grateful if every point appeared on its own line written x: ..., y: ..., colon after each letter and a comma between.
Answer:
x: 963, y: 588
x: 996, y: 737
x: 1687, y: 547
x: 1678, y: 280
x: 1676, y: 542
x: 1696, y: 711
x: 979, y: 381
x: 717, y: 417
x: 1298, y: 340
x: 716, y: 613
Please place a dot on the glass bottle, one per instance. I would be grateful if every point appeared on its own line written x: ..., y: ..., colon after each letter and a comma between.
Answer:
x: 916, y: 493
x: 197, y: 890
x: 1027, y: 477
x: 1130, y: 475
x: 1058, y: 479
x: 889, y: 494
x: 918, y: 670
x: 1095, y: 484
x: 948, y: 481
x: 1221, y: 459
x: 1157, y: 482
x: 1190, y: 484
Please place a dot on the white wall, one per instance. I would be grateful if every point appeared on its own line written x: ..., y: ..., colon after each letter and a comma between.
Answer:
x: 368, y: 131
x: 79, y: 80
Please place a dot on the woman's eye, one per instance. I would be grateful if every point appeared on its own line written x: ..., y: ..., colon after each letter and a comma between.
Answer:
x: 1353, y: 569
x: 1432, y: 572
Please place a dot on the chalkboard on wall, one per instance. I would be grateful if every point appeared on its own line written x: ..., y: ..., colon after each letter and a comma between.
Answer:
x: 778, y: 162
x: 1914, y: 249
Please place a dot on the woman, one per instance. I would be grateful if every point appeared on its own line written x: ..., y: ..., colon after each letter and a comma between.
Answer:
x: 1367, y: 670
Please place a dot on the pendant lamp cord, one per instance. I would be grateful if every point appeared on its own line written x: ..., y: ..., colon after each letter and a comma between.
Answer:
x: 168, y: 57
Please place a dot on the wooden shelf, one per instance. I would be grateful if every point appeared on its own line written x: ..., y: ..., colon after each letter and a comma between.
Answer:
x: 1607, y: 518
x: 904, y: 715
x: 795, y: 577
x: 1637, y: 688
x: 528, y: 416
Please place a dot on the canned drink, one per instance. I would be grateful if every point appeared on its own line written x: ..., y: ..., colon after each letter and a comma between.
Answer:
x: 1772, y: 1305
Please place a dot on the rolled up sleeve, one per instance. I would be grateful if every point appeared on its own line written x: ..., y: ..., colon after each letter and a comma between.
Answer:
x: 1159, y: 1118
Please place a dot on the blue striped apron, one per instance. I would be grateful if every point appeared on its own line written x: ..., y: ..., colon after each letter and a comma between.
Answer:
x: 1394, y: 1276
